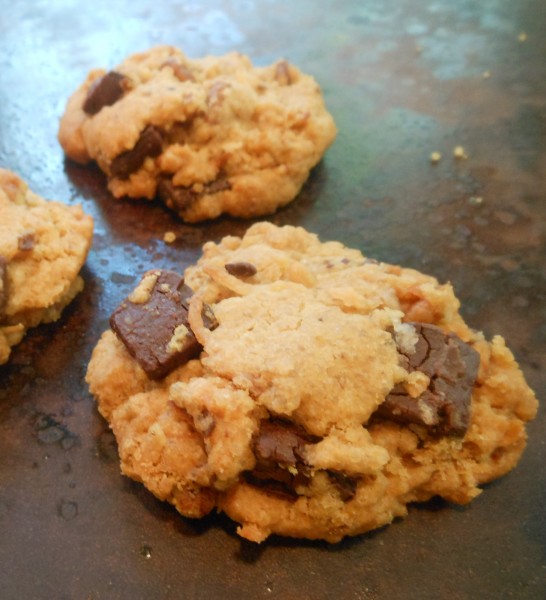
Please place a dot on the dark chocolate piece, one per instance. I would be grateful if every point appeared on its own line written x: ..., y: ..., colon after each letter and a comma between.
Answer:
x: 209, y: 319
x: 149, y: 144
x: 175, y: 197
x: 105, y: 91
x: 26, y: 242
x: 277, y: 446
x: 346, y: 485
x: 452, y: 366
x: 280, y: 465
x: 241, y: 269
x: 3, y: 286
x: 281, y: 443
x: 181, y: 198
x: 147, y: 326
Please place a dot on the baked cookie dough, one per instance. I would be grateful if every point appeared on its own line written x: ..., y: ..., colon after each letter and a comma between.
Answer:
x: 43, y: 245
x: 304, y: 389
x: 208, y: 136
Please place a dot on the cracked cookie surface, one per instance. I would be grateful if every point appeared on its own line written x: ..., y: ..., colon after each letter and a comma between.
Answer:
x: 328, y: 391
x: 43, y: 246
x: 207, y: 136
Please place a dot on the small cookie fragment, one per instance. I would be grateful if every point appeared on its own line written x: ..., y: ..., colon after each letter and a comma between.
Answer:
x: 330, y: 391
x: 206, y: 136
x: 43, y: 246
x: 459, y: 153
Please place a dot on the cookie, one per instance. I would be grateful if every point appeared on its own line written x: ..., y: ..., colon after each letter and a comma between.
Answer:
x: 43, y: 245
x: 304, y: 389
x: 207, y: 136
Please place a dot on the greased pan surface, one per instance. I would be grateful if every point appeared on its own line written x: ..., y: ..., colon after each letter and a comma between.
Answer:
x: 402, y: 80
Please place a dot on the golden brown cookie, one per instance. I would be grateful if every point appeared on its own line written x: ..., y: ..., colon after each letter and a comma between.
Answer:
x: 43, y: 245
x: 304, y: 389
x: 208, y: 136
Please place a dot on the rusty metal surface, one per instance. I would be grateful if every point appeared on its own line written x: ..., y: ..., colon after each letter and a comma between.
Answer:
x: 402, y: 79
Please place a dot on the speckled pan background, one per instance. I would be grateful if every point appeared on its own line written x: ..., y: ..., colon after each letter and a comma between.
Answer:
x: 402, y: 78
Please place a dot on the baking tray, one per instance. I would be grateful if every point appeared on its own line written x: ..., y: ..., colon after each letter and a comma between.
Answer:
x: 402, y: 79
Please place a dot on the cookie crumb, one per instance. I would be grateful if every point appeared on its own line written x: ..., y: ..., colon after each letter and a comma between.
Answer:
x: 435, y: 157
x: 142, y: 293
x: 475, y: 200
x: 179, y: 339
x: 169, y: 237
x: 416, y: 384
x: 522, y: 37
x: 459, y: 153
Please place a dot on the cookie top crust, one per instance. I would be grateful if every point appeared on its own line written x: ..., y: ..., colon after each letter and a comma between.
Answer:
x: 207, y: 136
x: 329, y: 391
x: 43, y: 246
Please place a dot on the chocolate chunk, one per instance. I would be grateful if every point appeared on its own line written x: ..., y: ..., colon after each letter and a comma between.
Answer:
x: 149, y: 144
x: 175, y: 197
x: 280, y: 466
x: 219, y: 185
x: 105, y: 91
x: 209, y: 319
x: 452, y: 367
x: 241, y: 269
x: 3, y: 286
x: 153, y: 324
x: 346, y: 485
x: 180, y: 198
x: 26, y: 242
x: 280, y: 442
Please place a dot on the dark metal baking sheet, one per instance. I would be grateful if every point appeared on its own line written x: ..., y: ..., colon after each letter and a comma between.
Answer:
x: 402, y: 79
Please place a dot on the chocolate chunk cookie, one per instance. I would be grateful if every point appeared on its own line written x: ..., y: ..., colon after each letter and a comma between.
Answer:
x: 43, y: 245
x: 207, y: 136
x: 322, y: 394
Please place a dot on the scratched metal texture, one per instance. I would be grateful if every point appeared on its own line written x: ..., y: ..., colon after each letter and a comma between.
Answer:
x: 403, y: 78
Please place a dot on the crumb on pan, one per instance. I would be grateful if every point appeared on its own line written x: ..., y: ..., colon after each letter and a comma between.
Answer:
x: 459, y: 153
